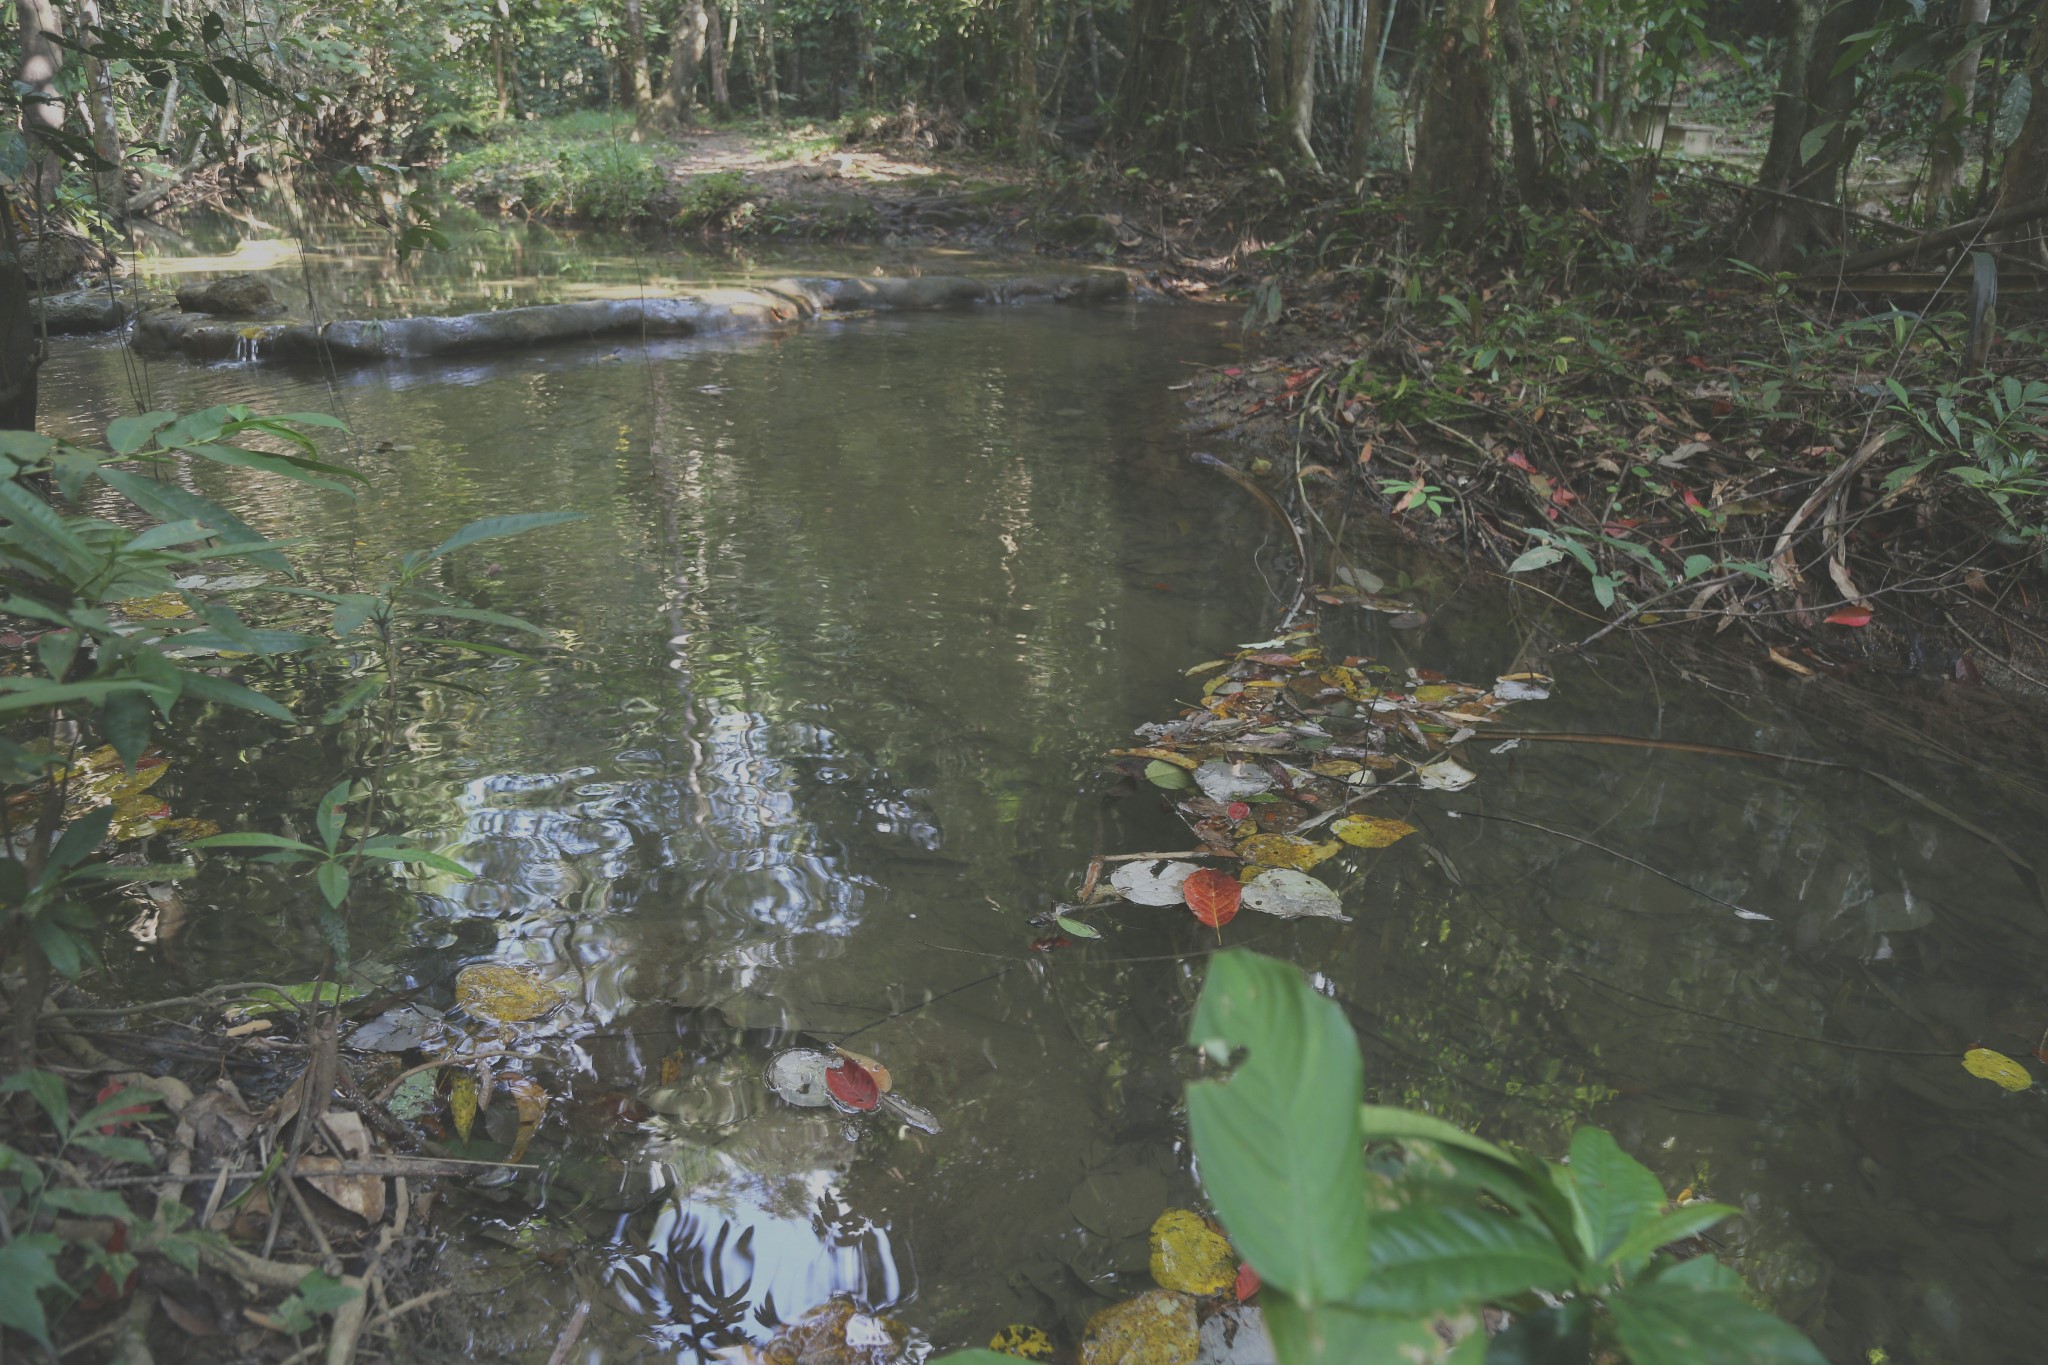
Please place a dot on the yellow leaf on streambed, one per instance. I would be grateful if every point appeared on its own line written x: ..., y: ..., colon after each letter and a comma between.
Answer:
x: 504, y: 994
x: 1022, y: 1341
x: 1998, y: 1068
x: 1285, y: 850
x: 1189, y: 1255
x: 1156, y: 1328
x: 1371, y: 831
x: 462, y: 1103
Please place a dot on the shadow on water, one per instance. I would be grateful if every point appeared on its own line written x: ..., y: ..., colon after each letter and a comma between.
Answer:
x: 848, y: 622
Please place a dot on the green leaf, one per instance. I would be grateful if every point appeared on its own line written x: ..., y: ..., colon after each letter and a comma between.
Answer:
x: 491, y: 528
x: 426, y: 857
x: 495, y: 618
x: 1612, y: 1193
x: 28, y: 1265
x: 248, y: 839
x: 207, y: 687
x: 168, y: 502
x: 318, y: 1294
x: 357, y: 695
x: 327, y: 819
x: 125, y: 720
x: 126, y: 435
x: 65, y: 950
x: 976, y: 1356
x: 332, y: 878
x: 1077, y: 928
x: 352, y: 610
x: 1431, y: 1257
x: 49, y: 1092
x: 1562, y: 1335
x: 134, y: 1151
x: 1278, y: 1141
x: 1669, y: 1324
x: 1168, y: 776
x: 1328, y: 1334
x: 1815, y: 139
x: 77, y: 842
x: 91, y: 1203
x: 292, y: 467
x: 1538, y: 557
x: 1674, y: 1226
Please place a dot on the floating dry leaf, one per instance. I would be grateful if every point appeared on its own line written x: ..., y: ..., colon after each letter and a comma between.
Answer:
x: 1371, y: 831
x: 462, y: 1103
x: 1189, y: 1255
x: 532, y: 1100
x: 1156, y: 882
x: 1222, y: 781
x: 1292, y: 895
x: 1446, y: 775
x: 869, y: 1065
x: 1998, y: 1068
x: 505, y: 995
x: 1286, y: 850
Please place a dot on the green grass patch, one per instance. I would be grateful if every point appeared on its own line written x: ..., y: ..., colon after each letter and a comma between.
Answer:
x: 579, y: 165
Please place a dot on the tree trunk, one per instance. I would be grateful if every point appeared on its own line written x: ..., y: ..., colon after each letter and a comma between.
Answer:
x: 1301, y: 79
x: 714, y: 47
x: 1365, y: 95
x: 1811, y: 96
x: 20, y: 353
x: 686, y: 42
x: 639, y: 83
x: 1024, y: 111
x: 504, y: 86
x: 2025, y: 174
x: 100, y: 113
x: 771, y: 97
x: 42, y: 109
x: 1279, y: 27
x: 1528, y: 157
x: 1454, y: 142
x: 1958, y: 99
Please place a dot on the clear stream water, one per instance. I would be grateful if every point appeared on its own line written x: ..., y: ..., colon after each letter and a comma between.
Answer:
x: 849, y: 620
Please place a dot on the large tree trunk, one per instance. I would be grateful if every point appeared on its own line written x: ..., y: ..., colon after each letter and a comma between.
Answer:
x: 1365, y: 95
x: 2025, y: 174
x: 686, y: 41
x: 1958, y: 99
x: 1811, y: 95
x: 1301, y: 79
x: 639, y: 83
x: 20, y: 353
x: 42, y: 109
x: 1454, y: 142
x: 715, y: 48
x: 1279, y: 28
x: 1024, y: 110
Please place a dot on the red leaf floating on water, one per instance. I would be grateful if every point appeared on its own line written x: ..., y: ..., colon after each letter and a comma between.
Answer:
x: 852, y: 1086
x: 1213, y: 896
x: 1850, y: 616
x: 1247, y: 1283
x: 1238, y: 810
x: 1047, y: 944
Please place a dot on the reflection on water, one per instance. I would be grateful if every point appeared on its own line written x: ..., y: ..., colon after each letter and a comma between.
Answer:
x: 847, y: 622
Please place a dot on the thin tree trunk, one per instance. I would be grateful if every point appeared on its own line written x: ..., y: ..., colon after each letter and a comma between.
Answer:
x: 504, y: 88
x: 1365, y: 95
x: 686, y: 41
x: 1301, y: 78
x: 20, y: 353
x: 1819, y: 97
x: 1024, y: 77
x: 2025, y: 174
x: 1454, y: 141
x: 42, y: 109
x: 1279, y: 25
x: 715, y: 46
x: 1528, y: 158
x: 1958, y: 99
x: 639, y: 82
x: 772, y: 107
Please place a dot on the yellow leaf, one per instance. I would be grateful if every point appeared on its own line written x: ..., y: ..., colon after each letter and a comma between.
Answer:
x: 1336, y: 767
x: 1285, y: 850
x: 1156, y: 1328
x: 1371, y: 831
x: 1189, y: 1255
x: 1431, y: 692
x: 1162, y: 755
x: 672, y: 1067
x: 1022, y: 1341
x: 161, y: 607
x: 503, y: 994
x: 462, y: 1103
x: 1997, y: 1067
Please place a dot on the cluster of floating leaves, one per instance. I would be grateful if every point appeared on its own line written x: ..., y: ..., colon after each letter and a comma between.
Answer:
x: 100, y: 778
x: 1269, y: 771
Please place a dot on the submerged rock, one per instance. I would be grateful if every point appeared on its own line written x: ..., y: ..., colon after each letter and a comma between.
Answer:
x: 80, y: 311
x: 775, y: 304
x: 235, y: 296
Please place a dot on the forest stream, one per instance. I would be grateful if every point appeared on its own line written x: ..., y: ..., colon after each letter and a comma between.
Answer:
x: 852, y: 617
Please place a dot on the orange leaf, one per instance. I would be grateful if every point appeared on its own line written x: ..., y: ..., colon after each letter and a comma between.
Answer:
x: 1850, y: 616
x: 1213, y: 896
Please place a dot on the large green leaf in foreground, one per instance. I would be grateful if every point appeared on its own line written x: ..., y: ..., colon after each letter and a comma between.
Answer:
x: 1278, y: 1140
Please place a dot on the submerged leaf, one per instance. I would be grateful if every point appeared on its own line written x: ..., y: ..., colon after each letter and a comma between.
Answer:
x: 1997, y: 1067
x: 1285, y: 850
x: 1156, y: 1328
x: 1165, y: 775
x: 1222, y: 781
x: 1371, y: 831
x: 1189, y: 1255
x: 462, y: 1103
x: 503, y: 994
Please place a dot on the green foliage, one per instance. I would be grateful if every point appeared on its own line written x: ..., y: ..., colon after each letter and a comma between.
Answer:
x: 1385, y: 1228
x: 717, y: 199
x: 1988, y: 435
x: 578, y: 166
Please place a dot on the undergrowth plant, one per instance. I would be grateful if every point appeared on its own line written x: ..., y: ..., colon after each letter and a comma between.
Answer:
x: 1380, y: 1234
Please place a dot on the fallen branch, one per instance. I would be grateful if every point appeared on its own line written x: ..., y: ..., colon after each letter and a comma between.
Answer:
x: 1961, y: 232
